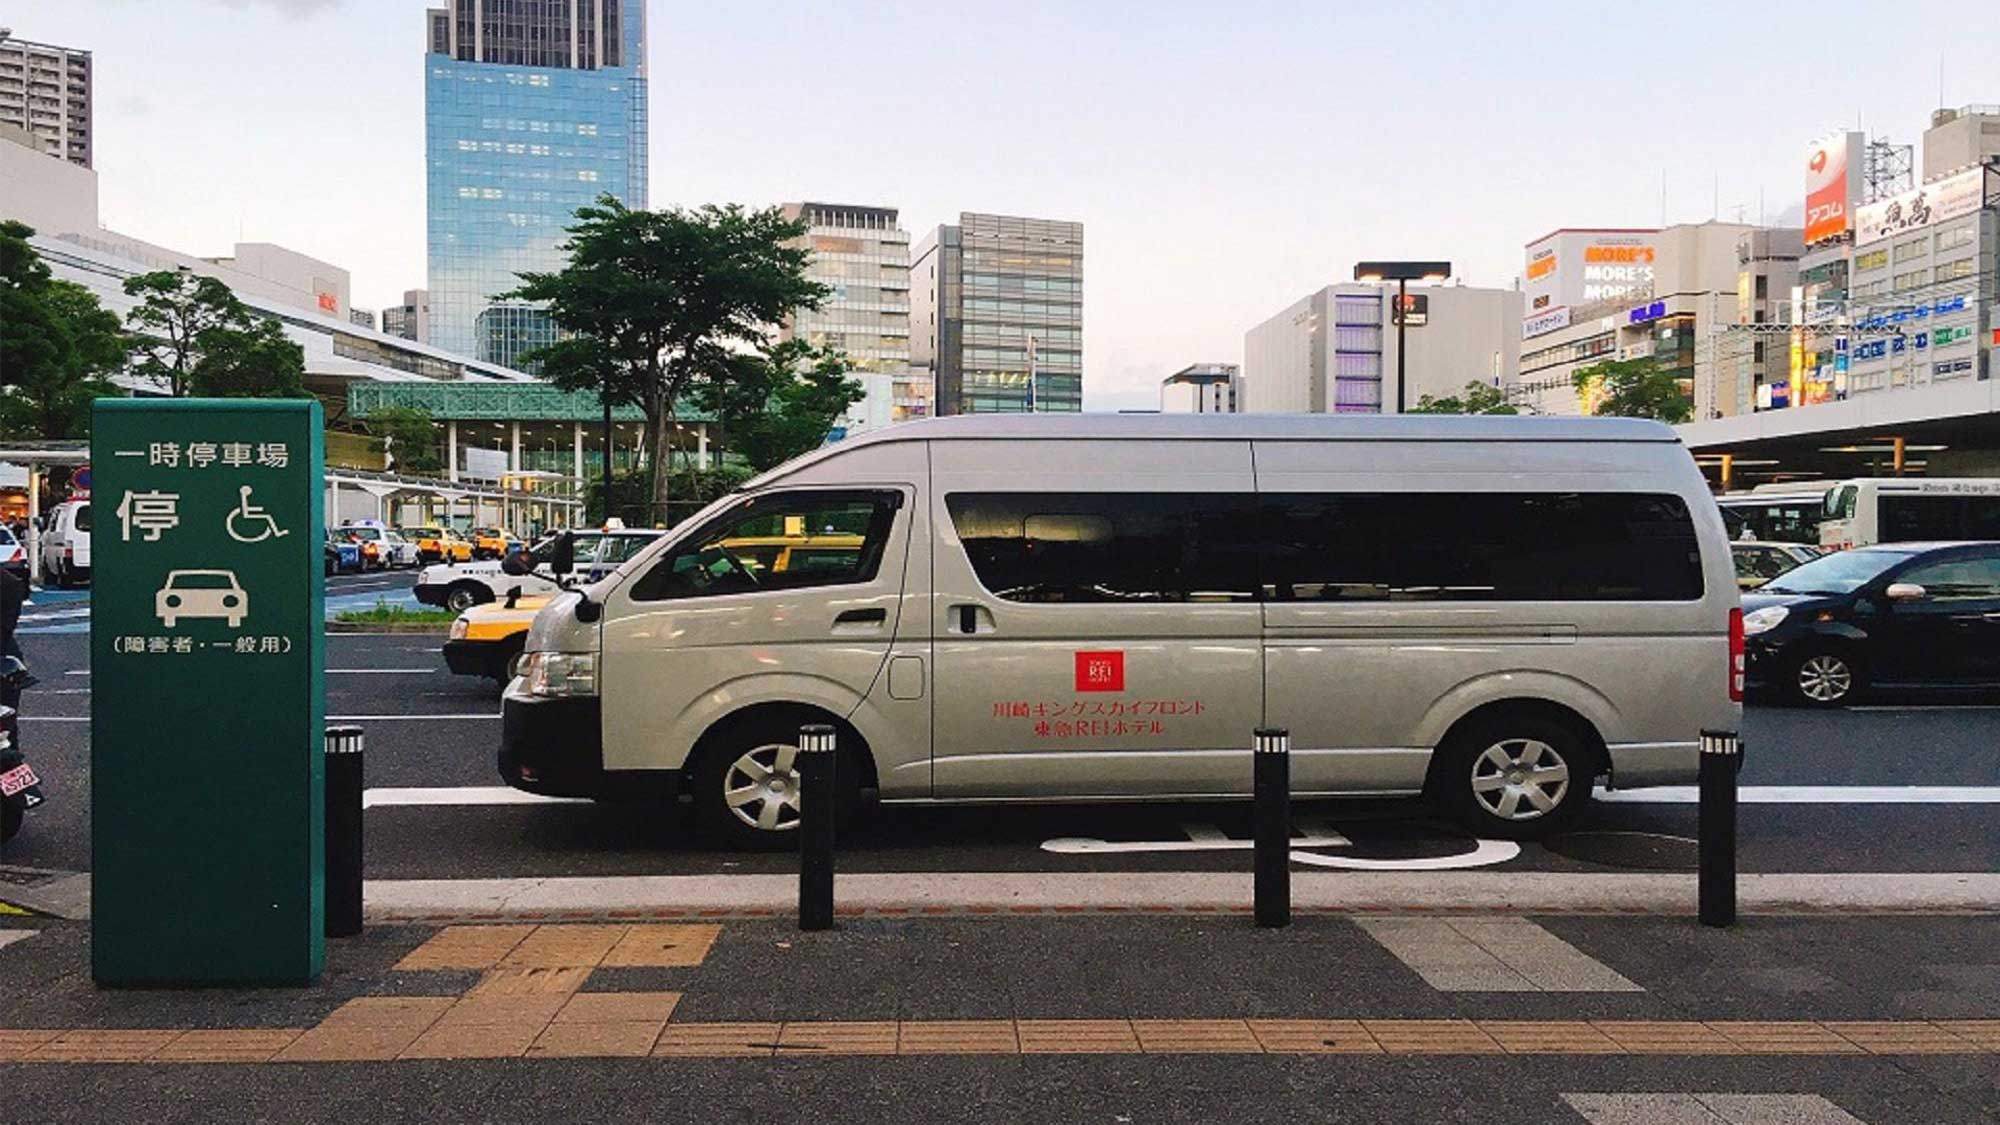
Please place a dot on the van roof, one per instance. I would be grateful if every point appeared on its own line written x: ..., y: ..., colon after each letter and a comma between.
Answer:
x: 1243, y: 427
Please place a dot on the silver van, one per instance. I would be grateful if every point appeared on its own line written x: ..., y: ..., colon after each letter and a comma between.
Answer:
x: 1491, y: 611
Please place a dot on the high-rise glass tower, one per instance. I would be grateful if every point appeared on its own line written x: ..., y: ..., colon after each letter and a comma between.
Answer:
x: 532, y: 108
x: 862, y: 255
x: 996, y: 314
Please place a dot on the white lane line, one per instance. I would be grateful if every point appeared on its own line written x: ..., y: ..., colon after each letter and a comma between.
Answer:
x: 1815, y: 795
x: 77, y: 672
x: 379, y: 671
x: 459, y: 795
x: 1928, y: 707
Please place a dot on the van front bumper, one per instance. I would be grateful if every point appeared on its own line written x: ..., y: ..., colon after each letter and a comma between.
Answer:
x: 555, y: 747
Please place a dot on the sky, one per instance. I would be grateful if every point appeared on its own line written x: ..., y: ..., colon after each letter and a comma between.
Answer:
x: 1225, y: 158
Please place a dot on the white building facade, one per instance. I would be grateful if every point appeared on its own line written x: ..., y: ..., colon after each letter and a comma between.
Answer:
x: 1334, y: 351
x: 862, y: 255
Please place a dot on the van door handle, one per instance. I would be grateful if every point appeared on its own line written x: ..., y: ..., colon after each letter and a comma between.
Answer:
x: 875, y: 616
x: 968, y: 618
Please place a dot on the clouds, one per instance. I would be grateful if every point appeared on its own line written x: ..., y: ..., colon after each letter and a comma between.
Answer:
x: 297, y: 7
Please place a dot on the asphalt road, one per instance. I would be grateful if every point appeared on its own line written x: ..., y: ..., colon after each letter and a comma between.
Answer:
x: 428, y: 729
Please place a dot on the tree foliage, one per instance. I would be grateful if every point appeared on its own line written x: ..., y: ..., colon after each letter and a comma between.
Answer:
x: 652, y: 301
x: 57, y: 345
x: 411, y: 437
x: 1633, y: 388
x: 1476, y: 398
x: 778, y: 402
x: 192, y: 336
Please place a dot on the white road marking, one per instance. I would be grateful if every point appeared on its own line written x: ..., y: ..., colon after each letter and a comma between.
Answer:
x: 460, y: 795
x: 1815, y: 795
x: 9, y: 937
x: 1928, y: 707
x: 1485, y: 853
x: 1208, y: 838
x: 77, y: 672
x: 1708, y: 1109
x: 1492, y: 955
x: 379, y: 671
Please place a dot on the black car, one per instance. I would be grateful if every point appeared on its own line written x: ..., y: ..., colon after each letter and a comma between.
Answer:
x: 1895, y: 616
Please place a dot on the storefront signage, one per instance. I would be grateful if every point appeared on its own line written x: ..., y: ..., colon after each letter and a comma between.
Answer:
x: 1942, y: 336
x: 1647, y: 313
x: 1549, y: 321
x: 1937, y: 202
x: 1831, y: 185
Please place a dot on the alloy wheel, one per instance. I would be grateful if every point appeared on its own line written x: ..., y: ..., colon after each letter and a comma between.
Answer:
x: 1825, y: 678
x: 761, y: 788
x: 1520, y: 779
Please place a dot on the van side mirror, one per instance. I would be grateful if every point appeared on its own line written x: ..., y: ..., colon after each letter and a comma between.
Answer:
x: 1905, y: 592
x: 517, y: 564
x: 562, y: 559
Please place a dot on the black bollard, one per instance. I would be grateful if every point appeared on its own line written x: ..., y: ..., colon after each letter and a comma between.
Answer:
x: 1272, y: 813
x: 817, y: 805
x: 1721, y: 759
x: 343, y: 831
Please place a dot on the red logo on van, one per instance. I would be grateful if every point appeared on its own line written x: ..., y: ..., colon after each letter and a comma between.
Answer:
x: 1100, y: 671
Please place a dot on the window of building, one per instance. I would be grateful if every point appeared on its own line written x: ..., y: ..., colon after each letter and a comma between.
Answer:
x: 1763, y: 287
x: 1956, y: 237
x: 1911, y: 248
x: 779, y: 541
x: 1951, y: 271
x: 1914, y: 279
x: 1872, y: 260
x: 1110, y: 547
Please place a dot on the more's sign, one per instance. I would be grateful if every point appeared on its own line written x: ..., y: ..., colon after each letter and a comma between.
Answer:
x: 208, y: 698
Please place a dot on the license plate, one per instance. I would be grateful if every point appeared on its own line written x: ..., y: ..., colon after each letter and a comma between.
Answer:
x: 16, y: 780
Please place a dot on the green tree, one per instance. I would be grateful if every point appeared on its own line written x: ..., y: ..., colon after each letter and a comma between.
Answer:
x: 192, y: 335
x: 411, y: 438
x: 776, y: 403
x: 1476, y: 398
x: 651, y: 301
x: 57, y: 345
x: 1633, y: 388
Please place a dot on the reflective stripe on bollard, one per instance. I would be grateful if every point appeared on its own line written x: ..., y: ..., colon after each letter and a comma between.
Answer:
x: 1272, y: 813
x: 817, y: 805
x: 1721, y: 759
x: 343, y: 830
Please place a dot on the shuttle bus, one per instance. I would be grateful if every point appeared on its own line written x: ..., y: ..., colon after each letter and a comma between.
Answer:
x: 1909, y: 510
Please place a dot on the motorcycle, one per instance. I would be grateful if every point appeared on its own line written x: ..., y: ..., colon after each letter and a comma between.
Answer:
x: 20, y: 789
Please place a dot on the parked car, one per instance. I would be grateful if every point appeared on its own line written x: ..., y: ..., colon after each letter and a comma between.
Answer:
x: 1922, y: 616
x: 1758, y: 563
x: 439, y: 544
x: 399, y: 551
x: 486, y: 640
x: 489, y: 542
x: 13, y: 556
x: 66, y: 544
x: 1491, y: 612
x: 461, y: 586
x: 347, y: 552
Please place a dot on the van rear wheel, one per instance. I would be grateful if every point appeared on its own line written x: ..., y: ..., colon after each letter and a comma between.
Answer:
x: 746, y: 783
x: 1515, y: 777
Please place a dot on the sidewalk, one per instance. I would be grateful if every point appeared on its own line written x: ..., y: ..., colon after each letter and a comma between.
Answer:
x: 1879, y: 1018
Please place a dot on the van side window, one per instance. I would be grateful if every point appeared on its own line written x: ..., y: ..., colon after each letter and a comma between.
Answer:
x: 1116, y: 547
x: 82, y: 517
x: 780, y: 541
x: 1486, y: 546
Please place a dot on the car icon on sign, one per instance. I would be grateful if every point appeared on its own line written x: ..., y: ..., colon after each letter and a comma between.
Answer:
x: 201, y: 593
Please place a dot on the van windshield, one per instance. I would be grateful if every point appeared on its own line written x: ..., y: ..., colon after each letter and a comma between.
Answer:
x: 1841, y: 573
x: 83, y: 517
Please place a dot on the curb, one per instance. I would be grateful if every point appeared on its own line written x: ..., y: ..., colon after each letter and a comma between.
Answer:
x: 440, y: 628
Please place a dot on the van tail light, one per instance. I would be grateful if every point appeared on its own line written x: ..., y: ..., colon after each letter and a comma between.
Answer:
x: 1736, y: 657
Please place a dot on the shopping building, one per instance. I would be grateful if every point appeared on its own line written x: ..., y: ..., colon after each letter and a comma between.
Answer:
x: 45, y: 91
x: 996, y: 314
x: 862, y: 256
x: 1334, y: 351
x: 1202, y: 388
x: 532, y: 109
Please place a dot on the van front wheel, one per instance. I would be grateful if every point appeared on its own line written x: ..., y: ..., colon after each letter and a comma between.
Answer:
x: 746, y: 784
x: 1515, y: 777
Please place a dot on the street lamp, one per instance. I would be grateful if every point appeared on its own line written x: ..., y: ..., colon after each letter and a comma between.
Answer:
x: 1402, y: 273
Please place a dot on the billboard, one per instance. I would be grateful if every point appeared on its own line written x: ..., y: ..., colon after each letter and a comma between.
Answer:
x: 1833, y: 181
x: 1935, y: 202
x: 1574, y: 269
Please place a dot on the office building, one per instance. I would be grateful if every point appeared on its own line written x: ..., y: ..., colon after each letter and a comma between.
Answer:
x: 45, y: 90
x: 862, y: 256
x: 1960, y: 138
x: 1201, y: 388
x: 996, y: 314
x: 362, y: 317
x: 532, y: 108
x: 410, y: 320
x: 1334, y: 351
x: 1738, y: 364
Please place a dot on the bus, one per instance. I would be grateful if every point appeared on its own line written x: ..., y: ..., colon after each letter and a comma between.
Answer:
x: 1775, y: 513
x: 1909, y: 510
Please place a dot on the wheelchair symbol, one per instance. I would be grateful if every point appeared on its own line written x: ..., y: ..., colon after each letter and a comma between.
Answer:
x: 252, y: 516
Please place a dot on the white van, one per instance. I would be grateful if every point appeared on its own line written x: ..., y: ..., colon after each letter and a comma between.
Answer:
x: 1861, y: 513
x: 65, y: 544
x: 1494, y: 611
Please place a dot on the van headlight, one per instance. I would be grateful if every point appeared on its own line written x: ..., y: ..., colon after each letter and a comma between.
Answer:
x: 559, y: 675
x: 1763, y: 620
x: 459, y: 627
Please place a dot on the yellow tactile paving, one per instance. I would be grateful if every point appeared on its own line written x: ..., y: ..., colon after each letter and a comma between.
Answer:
x: 1665, y: 1037
x: 661, y: 947
x: 1203, y: 1037
x: 15, y: 1044
x: 1314, y: 1037
x: 579, y: 946
x: 838, y: 1037
x: 373, y: 1028
x: 1077, y: 1037
x: 1896, y: 1037
x: 529, y: 982
x: 957, y: 1037
x: 717, y: 1040
x: 1431, y: 1037
x: 596, y: 1039
x: 1986, y: 1033
x: 1783, y: 1037
x: 1549, y: 1037
x: 465, y: 947
x: 228, y: 1046
x: 474, y: 1041
x: 101, y: 1045
x: 619, y: 1007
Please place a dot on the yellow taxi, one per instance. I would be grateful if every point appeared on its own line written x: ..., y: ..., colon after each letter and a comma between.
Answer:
x: 489, y: 542
x: 439, y: 544
x: 487, y: 639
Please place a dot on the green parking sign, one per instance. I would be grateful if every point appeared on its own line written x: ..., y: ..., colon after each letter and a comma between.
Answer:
x: 207, y: 656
